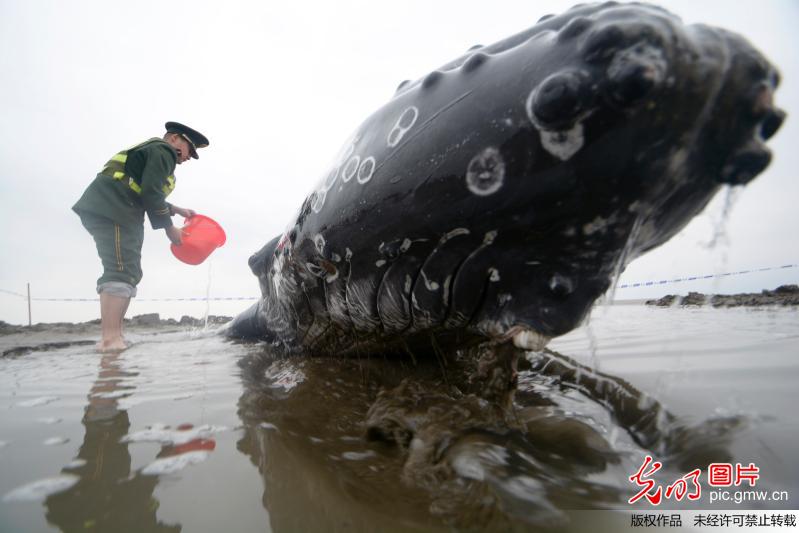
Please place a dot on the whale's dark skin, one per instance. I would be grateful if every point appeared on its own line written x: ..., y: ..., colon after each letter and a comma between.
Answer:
x: 497, y: 197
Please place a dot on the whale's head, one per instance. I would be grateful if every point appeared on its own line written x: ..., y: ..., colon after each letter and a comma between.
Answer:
x: 635, y: 121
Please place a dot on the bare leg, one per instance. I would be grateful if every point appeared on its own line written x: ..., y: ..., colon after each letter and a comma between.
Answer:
x: 112, y: 311
x: 122, y: 319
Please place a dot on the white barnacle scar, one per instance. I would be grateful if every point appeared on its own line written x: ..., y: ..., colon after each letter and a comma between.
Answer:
x: 563, y: 144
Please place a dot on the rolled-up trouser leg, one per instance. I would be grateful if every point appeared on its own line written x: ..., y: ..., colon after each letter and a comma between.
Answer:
x: 117, y: 288
x: 119, y: 248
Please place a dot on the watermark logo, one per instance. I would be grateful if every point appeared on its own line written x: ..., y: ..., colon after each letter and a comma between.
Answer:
x: 654, y: 493
x: 721, y: 474
x: 689, y: 487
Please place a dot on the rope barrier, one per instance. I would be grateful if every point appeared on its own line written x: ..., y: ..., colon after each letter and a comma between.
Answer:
x: 693, y: 278
x: 148, y: 299
x: 231, y: 298
x: 241, y: 298
x: 14, y: 293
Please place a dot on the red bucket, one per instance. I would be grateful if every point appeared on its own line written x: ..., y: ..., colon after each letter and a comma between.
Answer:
x: 201, y: 236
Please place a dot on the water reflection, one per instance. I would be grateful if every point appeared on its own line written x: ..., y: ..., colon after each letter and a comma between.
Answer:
x: 347, y: 444
x: 358, y: 445
x: 107, y: 497
x: 304, y: 431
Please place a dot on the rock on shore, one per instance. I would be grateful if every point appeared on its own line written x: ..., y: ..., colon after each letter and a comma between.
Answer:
x: 782, y: 295
x: 149, y: 320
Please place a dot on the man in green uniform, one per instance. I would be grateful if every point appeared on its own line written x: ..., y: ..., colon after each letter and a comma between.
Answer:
x: 134, y: 181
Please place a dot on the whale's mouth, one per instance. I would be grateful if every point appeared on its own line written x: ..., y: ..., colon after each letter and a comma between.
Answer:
x: 528, y: 339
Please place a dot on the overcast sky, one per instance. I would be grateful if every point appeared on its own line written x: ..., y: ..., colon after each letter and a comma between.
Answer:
x: 277, y: 87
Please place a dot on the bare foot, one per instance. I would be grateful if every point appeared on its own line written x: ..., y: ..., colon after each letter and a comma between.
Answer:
x: 113, y: 345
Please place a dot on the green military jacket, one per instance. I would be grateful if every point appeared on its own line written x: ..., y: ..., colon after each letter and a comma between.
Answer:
x: 134, y: 181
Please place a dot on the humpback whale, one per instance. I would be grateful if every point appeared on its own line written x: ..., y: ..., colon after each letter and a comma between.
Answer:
x: 498, y: 196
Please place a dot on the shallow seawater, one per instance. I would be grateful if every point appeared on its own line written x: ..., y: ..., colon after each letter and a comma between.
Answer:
x: 187, y: 431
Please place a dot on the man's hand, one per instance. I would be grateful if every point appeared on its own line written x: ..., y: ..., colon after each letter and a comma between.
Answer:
x: 182, y: 211
x: 175, y: 235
